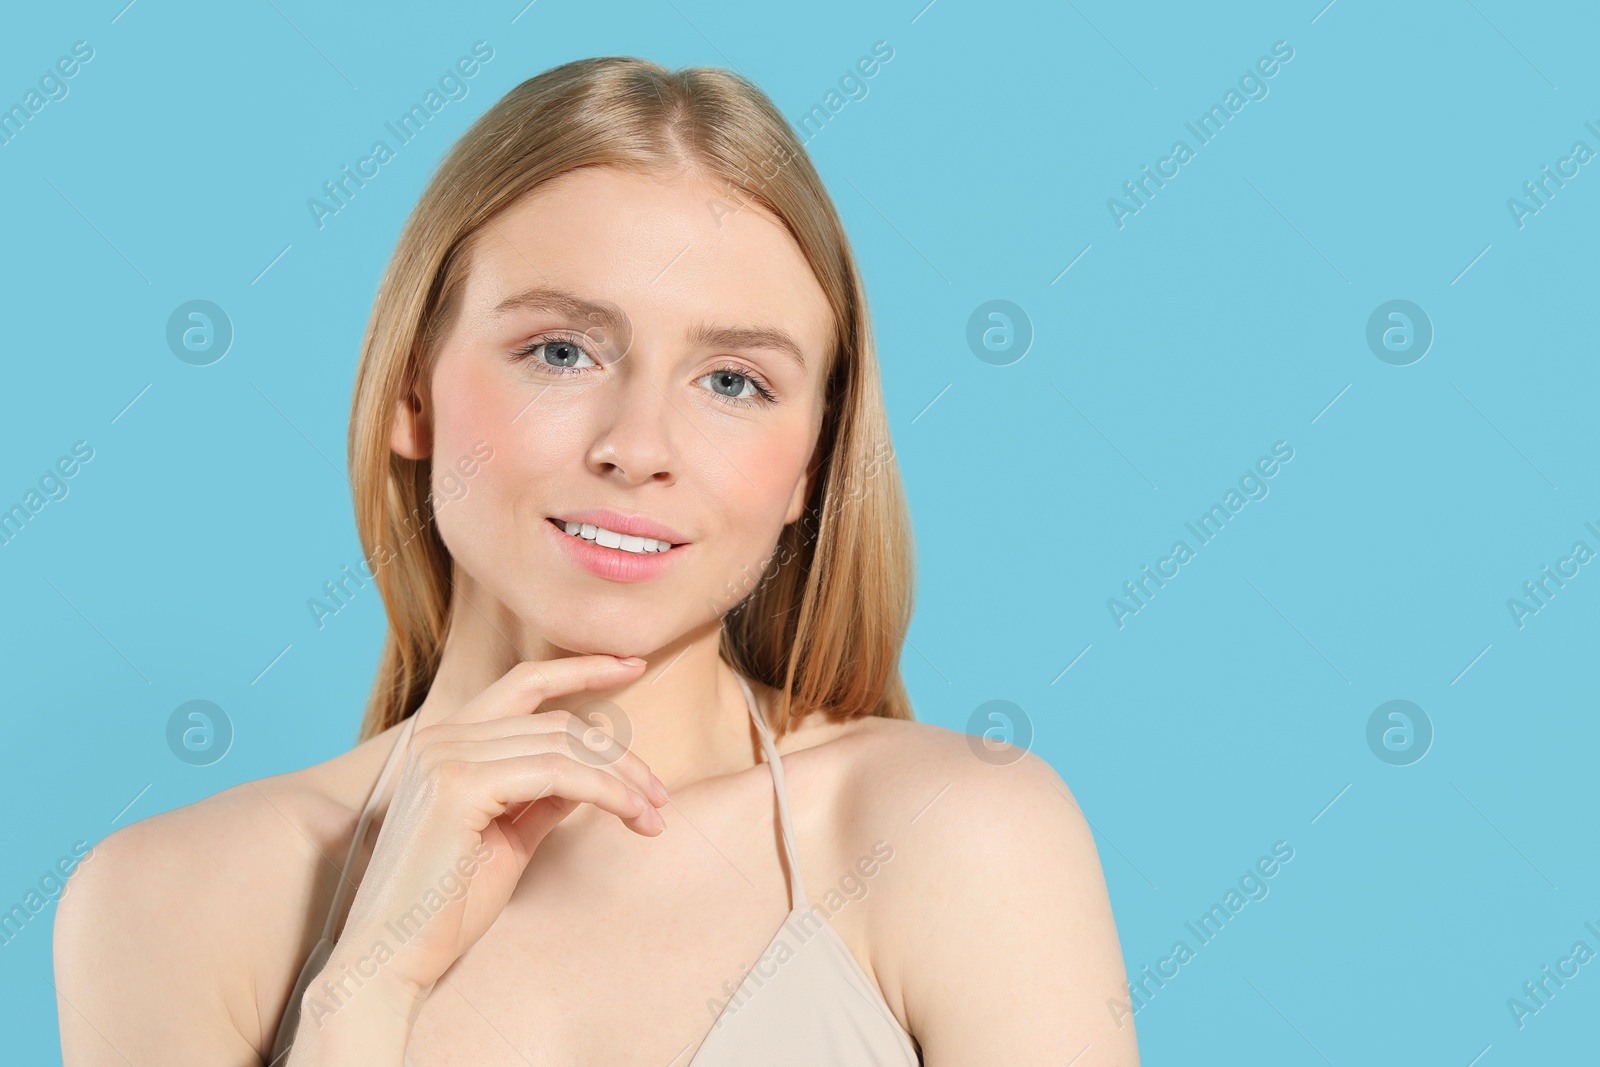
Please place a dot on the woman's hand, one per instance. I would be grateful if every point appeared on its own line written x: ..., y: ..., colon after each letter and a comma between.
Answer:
x: 477, y: 793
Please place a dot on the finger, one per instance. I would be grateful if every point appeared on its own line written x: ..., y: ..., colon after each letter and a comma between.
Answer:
x: 542, y: 816
x: 522, y: 737
x: 525, y: 686
x: 499, y: 784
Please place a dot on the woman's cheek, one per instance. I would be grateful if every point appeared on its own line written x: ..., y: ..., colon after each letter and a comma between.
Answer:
x: 775, y: 466
x: 468, y: 478
x: 449, y: 485
x: 773, y: 470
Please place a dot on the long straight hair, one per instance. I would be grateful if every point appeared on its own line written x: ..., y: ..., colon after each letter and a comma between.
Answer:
x: 824, y: 621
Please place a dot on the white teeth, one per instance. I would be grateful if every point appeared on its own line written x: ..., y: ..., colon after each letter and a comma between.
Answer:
x: 611, y: 539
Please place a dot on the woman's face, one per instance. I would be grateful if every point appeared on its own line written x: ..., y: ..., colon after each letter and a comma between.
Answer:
x: 618, y: 341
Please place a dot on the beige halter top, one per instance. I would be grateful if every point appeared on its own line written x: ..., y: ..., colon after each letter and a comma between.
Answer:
x: 805, y: 1003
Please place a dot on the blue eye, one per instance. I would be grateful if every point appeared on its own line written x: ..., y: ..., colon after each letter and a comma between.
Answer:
x: 719, y: 378
x: 568, y: 352
x: 559, y: 354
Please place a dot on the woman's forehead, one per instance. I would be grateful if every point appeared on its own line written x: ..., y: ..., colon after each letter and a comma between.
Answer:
x: 655, y: 248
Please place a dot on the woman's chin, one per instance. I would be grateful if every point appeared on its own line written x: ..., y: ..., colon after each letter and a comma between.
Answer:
x: 603, y: 646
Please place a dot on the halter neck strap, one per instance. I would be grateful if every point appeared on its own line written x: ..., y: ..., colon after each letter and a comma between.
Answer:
x: 797, y: 888
x: 367, y: 811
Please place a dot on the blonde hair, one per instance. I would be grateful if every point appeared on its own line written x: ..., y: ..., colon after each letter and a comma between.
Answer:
x: 824, y: 622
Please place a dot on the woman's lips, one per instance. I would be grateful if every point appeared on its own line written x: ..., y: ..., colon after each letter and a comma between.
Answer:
x: 622, y: 523
x: 613, y: 564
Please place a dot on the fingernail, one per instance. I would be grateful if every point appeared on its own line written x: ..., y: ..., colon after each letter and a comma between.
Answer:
x: 661, y: 787
x: 630, y: 661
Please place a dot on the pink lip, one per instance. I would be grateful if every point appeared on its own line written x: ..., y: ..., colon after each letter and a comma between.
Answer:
x: 613, y: 564
x: 636, y: 525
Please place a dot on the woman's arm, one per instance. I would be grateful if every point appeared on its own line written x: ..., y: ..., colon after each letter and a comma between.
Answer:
x: 143, y: 972
x: 373, y: 1028
x: 1007, y: 948
x: 158, y: 934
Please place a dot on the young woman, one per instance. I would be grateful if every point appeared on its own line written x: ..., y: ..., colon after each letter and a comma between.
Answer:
x: 638, y: 782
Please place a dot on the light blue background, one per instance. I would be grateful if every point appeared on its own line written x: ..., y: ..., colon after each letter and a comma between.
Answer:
x: 1228, y: 314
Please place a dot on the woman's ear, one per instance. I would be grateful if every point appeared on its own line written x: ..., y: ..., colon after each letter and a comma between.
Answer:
x: 797, y: 501
x: 802, y: 489
x: 412, y: 436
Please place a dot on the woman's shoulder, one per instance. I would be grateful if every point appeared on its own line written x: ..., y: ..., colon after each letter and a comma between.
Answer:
x: 240, y: 834
x: 934, y: 829
x: 941, y: 800
x: 900, y: 771
x: 210, y: 902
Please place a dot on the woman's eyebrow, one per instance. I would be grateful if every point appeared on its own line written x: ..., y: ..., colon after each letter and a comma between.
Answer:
x: 549, y: 298
x: 747, y: 337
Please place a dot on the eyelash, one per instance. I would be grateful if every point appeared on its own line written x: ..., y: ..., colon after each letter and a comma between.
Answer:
x: 524, y: 354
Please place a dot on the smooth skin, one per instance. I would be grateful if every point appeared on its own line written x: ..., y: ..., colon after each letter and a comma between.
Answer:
x: 605, y: 918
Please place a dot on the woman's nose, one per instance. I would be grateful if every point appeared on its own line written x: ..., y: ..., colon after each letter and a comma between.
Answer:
x: 636, y: 425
